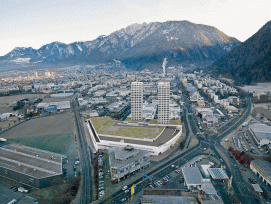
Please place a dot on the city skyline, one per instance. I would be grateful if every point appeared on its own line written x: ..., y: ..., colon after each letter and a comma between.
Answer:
x: 35, y: 23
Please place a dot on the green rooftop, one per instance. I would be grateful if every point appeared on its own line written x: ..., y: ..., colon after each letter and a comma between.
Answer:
x: 105, y: 125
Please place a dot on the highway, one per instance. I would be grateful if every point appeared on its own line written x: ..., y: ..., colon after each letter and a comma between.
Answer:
x: 85, y: 192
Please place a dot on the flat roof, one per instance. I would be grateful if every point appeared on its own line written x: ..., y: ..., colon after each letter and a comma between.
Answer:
x: 30, y: 161
x: 192, y: 175
x: 208, y: 187
x: 218, y: 173
x: 257, y: 188
x: 261, y: 131
x: 123, y: 153
x: 168, y: 199
x: 168, y: 134
x: 133, y: 158
x: 263, y: 166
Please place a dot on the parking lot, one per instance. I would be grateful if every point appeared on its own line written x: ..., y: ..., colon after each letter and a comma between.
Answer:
x: 8, y: 193
x: 244, y: 141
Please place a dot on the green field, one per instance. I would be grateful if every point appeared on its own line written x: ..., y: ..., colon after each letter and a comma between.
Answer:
x: 100, y: 121
x: 59, y: 143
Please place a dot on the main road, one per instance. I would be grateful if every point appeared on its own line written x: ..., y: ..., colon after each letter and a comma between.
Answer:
x: 85, y: 191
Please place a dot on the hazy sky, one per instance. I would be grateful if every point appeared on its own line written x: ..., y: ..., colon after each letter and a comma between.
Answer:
x: 33, y: 23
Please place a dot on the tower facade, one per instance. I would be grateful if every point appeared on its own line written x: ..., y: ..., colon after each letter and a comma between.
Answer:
x: 163, y: 102
x: 136, y: 100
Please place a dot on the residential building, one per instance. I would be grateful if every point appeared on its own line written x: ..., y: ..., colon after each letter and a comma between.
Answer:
x: 163, y: 102
x: 136, y: 100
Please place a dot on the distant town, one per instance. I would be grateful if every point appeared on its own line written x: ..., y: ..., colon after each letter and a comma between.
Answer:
x: 106, y: 134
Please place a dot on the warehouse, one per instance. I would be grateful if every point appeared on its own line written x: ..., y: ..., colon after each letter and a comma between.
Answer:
x: 262, y: 169
x: 261, y: 133
x: 30, y: 166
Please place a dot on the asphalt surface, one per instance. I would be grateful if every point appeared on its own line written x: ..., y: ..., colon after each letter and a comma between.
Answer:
x: 85, y: 192
x: 240, y: 187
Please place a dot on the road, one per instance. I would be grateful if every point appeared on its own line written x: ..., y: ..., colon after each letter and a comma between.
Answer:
x: 85, y: 192
x: 239, y: 186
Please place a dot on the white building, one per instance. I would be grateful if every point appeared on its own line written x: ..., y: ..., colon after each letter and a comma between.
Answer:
x: 163, y: 102
x: 136, y: 100
x: 261, y: 133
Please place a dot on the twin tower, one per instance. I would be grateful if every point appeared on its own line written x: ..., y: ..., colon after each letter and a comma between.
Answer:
x: 163, y: 101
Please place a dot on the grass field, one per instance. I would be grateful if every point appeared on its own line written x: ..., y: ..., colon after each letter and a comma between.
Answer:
x: 100, y: 121
x: 51, y: 125
x: 60, y: 143
x: 7, y: 124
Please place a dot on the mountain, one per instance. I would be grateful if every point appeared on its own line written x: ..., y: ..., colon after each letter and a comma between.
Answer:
x: 137, y: 46
x: 250, y: 62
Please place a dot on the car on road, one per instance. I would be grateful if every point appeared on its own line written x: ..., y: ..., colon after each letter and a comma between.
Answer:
x: 243, y: 169
x: 11, y: 187
x: 123, y: 199
x: 124, y: 188
x: 177, y: 171
x: 126, y: 191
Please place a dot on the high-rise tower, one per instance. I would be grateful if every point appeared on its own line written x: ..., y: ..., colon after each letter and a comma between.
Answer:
x: 163, y: 102
x: 136, y: 100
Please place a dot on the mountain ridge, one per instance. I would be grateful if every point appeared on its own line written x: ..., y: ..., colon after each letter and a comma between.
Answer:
x: 136, y: 45
x: 250, y: 62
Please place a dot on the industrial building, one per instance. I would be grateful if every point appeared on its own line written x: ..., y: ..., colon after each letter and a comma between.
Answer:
x: 29, y: 166
x: 126, y: 160
x: 261, y: 133
x: 136, y: 100
x: 54, y: 106
x: 263, y: 169
x: 163, y: 102
x: 117, y: 110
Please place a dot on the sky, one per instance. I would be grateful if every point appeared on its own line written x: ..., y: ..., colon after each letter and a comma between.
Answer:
x: 33, y: 23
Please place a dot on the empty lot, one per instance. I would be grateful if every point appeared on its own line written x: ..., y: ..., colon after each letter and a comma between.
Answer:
x: 51, y: 125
